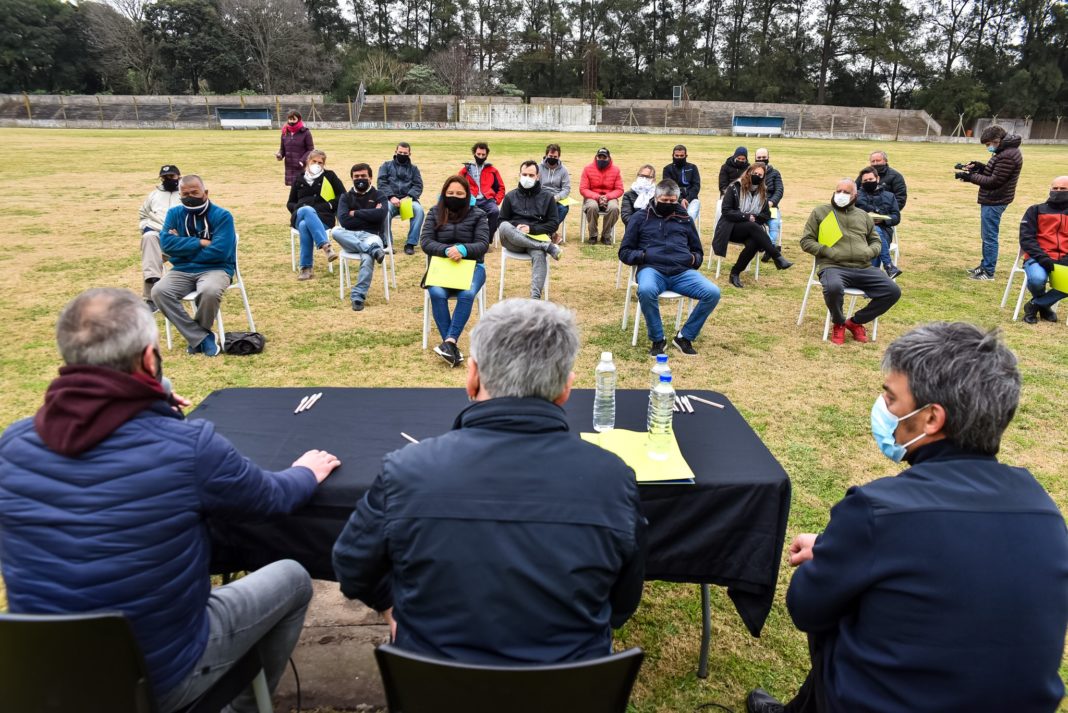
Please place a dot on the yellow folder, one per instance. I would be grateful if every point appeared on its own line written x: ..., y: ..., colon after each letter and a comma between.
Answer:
x: 1058, y: 279
x: 633, y: 448
x: 830, y: 233
x: 455, y: 274
x: 540, y: 237
x: 569, y: 201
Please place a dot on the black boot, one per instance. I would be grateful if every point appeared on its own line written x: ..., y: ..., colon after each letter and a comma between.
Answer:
x: 782, y: 263
x: 736, y: 280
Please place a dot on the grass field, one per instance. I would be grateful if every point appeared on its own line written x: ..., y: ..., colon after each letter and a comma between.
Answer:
x: 68, y: 205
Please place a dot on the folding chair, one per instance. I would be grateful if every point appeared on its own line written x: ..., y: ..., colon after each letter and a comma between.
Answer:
x: 507, y: 254
x: 91, y: 663
x: 294, y: 238
x: 419, y: 684
x: 345, y: 271
x: 851, y: 292
x: 1017, y: 267
x: 480, y: 300
x: 632, y: 287
x: 235, y: 284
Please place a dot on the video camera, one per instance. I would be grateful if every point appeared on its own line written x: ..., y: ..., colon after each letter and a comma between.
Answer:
x: 963, y: 167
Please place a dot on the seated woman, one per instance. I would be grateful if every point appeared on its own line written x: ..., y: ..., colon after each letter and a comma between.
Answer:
x: 745, y: 213
x: 459, y: 231
x: 640, y: 193
x: 877, y: 200
x: 312, y: 202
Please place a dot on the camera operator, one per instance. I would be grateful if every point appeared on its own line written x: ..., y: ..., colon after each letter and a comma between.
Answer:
x: 997, y: 187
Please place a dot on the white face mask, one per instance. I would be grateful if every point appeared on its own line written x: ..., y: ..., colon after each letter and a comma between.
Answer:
x: 314, y: 170
x: 527, y: 182
x: 842, y: 199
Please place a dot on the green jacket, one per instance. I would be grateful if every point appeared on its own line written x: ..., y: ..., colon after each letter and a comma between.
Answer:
x: 857, y: 247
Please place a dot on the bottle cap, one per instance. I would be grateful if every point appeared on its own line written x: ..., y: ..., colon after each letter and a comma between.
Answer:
x: 661, y: 358
x: 606, y: 356
x: 665, y: 378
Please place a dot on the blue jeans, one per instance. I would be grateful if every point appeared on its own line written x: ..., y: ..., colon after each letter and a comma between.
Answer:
x: 1036, y: 283
x: 415, y: 225
x: 364, y: 243
x: 264, y: 609
x: 883, y: 260
x: 561, y: 213
x: 691, y: 284
x: 312, y: 233
x: 450, y: 327
x: 990, y: 223
x: 775, y: 228
x: 493, y: 213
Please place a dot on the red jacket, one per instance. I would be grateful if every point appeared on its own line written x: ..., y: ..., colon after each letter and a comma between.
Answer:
x: 492, y: 184
x: 596, y: 183
x: 1044, y: 230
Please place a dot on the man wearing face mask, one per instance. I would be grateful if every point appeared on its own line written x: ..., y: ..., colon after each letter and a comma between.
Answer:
x: 162, y: 198
x: 997, y: 188
x: 399, y: 179
x: 640, y: 193
x: 528, y: 211
x: 361, y: 213
x: 848, y: 261
x: 487, y: 185
x: 688, y: 177
x: 876, y: 200
x: 945, y: 587
x: 889, y: 179
x: 555, y: 177
x: 200, y: 239
x: 601, y: 188
x: 1044, y: 242
x: 663, y: 243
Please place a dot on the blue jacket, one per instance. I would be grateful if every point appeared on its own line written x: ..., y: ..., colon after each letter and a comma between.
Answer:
x: 399, y: 181
x: 942, y: 589
x: 121, y: 527
x: 669, y: 245
x: 181, y: 234
x: 883, y: 202
x: 507, y: 540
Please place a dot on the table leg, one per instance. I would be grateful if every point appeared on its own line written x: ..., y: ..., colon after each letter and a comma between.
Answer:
x: 706, y: 632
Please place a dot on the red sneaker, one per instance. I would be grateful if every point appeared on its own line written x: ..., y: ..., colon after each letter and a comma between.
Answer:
x: 837, y: 334
x: 857, y: 330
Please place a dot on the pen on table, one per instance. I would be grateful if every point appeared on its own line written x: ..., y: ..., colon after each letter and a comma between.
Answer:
x: 686, y: 404
x: 314, y: 400
x: 705, y: 401
x: 303, y: 401
x: 408, y: 438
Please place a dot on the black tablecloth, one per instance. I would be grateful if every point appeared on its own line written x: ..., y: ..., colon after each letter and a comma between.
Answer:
x: 726, y: 529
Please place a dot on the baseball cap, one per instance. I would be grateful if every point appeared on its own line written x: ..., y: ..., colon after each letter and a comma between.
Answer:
x: 164, y: 170
x: 604, y: 152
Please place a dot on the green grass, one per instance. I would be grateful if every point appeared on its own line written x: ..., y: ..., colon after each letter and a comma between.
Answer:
x: 809, y: 401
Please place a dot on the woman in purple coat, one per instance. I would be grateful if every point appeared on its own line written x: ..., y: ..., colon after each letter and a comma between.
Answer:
x: 296, y: 143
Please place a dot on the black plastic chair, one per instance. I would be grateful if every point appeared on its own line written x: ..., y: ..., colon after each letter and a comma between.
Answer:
x: 91, y: 663
x: 418, y: 684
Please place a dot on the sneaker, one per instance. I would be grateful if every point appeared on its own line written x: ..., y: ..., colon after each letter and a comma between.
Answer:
x: 305, y: 274
x: 357, y: 306
x: 209, y: 347
x: 409, y: 249
x: 893, y: 272
x: 443, y: 351
x: 152, y: 306
x: 683, y: 345
x: 837, y: 334
x: 1047, y: 314
x: 981, y: 275
x: 1030, y: 312
x: 658, y: 348
x: 975, y: 270
x: 556, y: 251
x: 379, y: 255
x: 328, y: 250
x: 857, y: 330
x: 760, y: 701
x: 459, y: 354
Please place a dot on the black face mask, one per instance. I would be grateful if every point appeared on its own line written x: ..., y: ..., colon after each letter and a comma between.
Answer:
x: 480, y: 161
x: 679, y: 162
x: 664, y: 209
x: 362, y: 184
x: 454, y: 203
x: 551, y: 160
x: 1058, y: 197
x: 602, y: 163
x: 194, y: 203
x: 881, y: 170
x: 756, y: 180
x: 402, y: 158
x: 170, y: 184
x: 870, y: 186
x: 742, y: 161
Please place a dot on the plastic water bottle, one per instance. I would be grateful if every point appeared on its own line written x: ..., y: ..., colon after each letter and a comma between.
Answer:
x: 661, y: 403
x: 661, y: 367
x: 604, y: 401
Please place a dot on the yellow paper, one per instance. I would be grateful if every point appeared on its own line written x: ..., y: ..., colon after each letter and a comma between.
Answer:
x: 1058, y: 279
x: 774, y: 213
x: 879, y: 216
x: 540, y: 237
x: 455, y: 274
x: 327, y: 191
x: 405, y: 209
x: 633, y: 448
x: 569, y: 201
x: 830, y: 233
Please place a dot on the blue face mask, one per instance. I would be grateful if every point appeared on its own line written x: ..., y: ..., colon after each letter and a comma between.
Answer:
x: 883, y: 425
x: 992, y: 149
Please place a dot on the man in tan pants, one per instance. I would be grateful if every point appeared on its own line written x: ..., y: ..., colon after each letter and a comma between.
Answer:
x: 162, y: 198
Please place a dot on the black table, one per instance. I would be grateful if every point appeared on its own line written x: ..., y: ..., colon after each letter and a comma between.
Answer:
x: 726, y: 529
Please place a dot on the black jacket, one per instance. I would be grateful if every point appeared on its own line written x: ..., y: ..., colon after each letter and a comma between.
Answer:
x: 301, y: 193
x: 365, y: 215
x: 688, y: 177
x: 997, y: 177
x: 729, y: 172
x: 671, y: 245
x: 508, y: 540
x: 535, y: 207
x: 731, y: 216
x: 773, y: 185
x: 893, y: 182
x: 472, y: 232
x: 882, y: 202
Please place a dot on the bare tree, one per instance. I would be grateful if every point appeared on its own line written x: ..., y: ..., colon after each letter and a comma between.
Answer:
x: 122, y: 51
x: 456, y: 67
x: 277, y: 42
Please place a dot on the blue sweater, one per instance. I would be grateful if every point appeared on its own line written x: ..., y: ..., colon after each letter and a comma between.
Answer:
x: 942, y: 589
x: 181, y: 234
x: 122, y: 527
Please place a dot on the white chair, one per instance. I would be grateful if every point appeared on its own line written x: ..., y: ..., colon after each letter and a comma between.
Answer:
x: 507, y: 254
x: 235, y: 284
x: 632, y: 288
x: 600, y: 216
x: 851, y: 292
x: 294, y: 238
x: 1017, y: 267
x: 754, y: 263
x: 389, y: 268
x: 895, y: 247
x: 480, y: 300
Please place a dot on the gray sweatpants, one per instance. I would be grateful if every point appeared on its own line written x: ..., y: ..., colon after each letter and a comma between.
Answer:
x: 518, y: 242
x: 172, y: 287
x: 151, y: 260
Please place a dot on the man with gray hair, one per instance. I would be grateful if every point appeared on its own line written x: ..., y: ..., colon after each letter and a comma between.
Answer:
x: 508, y: 540
x: 104, y: 497
x: 889, y: 178
x: 944, y: 588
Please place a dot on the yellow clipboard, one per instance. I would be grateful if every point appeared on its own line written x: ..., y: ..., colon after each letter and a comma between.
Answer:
x: 633, y: 448
x: 1058, y: 279
x: 569, y: 201
x: 830, y: 233
x: 775, y: 213
x: 540, y: 237
x: 454, y: 274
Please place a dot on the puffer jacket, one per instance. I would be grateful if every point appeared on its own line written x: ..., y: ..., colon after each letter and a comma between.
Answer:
x: 1044, y: 232
x: 322, y: 194
x: 774, y: 185
x: 122, y: 526
x: 671, y: 245
x: 472, y: 232
x: 596, y: 183
x: 535, y: 207
x: 859, y: 243
x: 732, y: 216
x: 997, y: 177
x: 294, y: 147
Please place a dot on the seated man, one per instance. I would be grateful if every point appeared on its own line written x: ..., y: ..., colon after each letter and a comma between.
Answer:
x: 847, y: 263
x: 775, y: 187
x: 398, y: 179
x: 878, y: 202
x: 944, y: 588
x: 555, y: 177
x: 200, y: 239
x: 688, y: 177
x: 601, y: 187
x: 1044, y: 242
x: 162, y: 198
x: 362, y: 218
x: 526, y: 211
x: 662, y: 242
x: 487, y: 185
x: 104, y: 496
x: 508, y: 540
x: 640, y: 194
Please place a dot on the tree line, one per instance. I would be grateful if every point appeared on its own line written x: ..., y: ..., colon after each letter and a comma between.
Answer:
x: 950, y: 57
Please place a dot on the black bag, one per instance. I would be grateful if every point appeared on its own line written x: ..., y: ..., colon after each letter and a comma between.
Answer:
x: 244, y: 343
